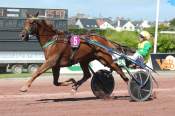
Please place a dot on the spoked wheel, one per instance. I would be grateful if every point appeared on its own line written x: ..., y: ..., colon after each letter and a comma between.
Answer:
x: 140, y: 86
x: 102, y: 84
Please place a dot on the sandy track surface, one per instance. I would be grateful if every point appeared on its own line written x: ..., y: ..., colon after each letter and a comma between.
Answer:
x: 44, y: 99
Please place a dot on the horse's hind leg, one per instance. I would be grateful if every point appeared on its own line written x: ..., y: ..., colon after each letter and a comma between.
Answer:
x: 86, y: 74
x: 119, y: 71
x: 56, y: 74
x: 107, y: 60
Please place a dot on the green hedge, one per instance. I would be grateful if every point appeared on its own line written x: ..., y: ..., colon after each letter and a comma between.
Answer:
x: 166, y: 42
x: 125, y: 37
x: 78, y: 31
x: 84, y: 31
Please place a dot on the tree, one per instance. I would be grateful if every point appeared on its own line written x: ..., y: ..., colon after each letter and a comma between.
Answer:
x: 172, y: 22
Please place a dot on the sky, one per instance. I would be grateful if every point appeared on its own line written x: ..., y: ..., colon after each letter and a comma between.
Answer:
x: 129, y: 9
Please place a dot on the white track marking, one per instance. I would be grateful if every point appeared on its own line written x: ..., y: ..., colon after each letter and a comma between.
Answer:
x: 63, y: 95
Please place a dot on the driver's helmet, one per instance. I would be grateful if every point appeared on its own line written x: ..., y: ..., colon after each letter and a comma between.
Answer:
x: 145, y: 35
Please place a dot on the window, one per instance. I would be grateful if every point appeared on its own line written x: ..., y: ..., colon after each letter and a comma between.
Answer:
x: 42, y: 13
x: 1, y: 12
x: 31, y: 11
x: 12, y: 15
x: 12, y: 12
x: 58, y: 24
x: 20, y: 23
x: 11, y: 23
x: 61, y: 25
x: 1, y: 23
x: 61, y: 14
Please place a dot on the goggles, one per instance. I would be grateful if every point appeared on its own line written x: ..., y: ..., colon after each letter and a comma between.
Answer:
x: 141, y: 36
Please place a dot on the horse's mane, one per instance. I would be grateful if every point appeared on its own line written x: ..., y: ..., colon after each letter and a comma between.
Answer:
x: 52, y: 29
x: 49, y: 25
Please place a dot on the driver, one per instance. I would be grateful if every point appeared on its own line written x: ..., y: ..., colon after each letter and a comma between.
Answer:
x: 144, y: 47
x: 142, y: 53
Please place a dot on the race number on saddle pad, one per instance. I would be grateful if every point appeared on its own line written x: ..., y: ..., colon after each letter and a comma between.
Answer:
x: 75, y: 41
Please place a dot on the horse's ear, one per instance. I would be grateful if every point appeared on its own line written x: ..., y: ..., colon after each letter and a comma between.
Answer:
x: 27, y: 15
x: 36, y: 15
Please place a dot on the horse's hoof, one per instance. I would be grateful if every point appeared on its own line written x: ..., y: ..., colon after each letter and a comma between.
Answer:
x: 73, y: 92
x: 56, y: 84
x: 154, y: 95
x: 126, y: 80
x: 23, y: 89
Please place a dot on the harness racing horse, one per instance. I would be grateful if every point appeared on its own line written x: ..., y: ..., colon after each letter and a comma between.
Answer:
x: 57, y: 53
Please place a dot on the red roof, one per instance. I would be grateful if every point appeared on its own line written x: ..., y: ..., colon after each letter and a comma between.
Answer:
x: 100, y: 22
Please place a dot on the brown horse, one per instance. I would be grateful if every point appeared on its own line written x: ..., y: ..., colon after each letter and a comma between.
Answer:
x: 58, y: 53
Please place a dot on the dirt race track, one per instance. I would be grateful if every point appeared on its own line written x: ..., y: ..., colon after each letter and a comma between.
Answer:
x: 45, y: 99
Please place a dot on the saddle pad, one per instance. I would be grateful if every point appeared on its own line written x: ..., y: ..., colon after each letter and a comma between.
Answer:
x: 75, y: 41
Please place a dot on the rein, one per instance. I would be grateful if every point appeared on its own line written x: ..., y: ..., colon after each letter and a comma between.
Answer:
x: 50, y: 42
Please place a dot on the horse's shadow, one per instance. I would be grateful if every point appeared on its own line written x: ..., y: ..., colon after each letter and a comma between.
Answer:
x: 85, y: 99
x: 60, y: 100
x: 72, y: 99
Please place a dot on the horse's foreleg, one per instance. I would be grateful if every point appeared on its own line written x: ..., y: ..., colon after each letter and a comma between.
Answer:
x: 86, y: 75
x: 56, y: 74
x: 44, y: 67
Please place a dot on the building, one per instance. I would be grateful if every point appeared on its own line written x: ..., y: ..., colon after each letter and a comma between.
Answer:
x: 104, y: 24
x: 145, y: 24
x: 85, y: 23
x: 16, y: 54
x: 129, y: 26
x: 124, y: 25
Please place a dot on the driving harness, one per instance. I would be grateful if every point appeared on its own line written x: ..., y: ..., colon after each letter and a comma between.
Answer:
x: 72, y: 40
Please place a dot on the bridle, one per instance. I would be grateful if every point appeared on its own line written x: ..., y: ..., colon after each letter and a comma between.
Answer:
x: 32, y: 29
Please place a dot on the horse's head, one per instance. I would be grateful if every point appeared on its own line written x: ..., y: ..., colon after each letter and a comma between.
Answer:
x: 30, y: 27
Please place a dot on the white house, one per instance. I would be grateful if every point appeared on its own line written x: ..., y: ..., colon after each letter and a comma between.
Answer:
x: 128, y: 26
x: 124, y: 25
x: 145, y: 24
x: 104, y: 24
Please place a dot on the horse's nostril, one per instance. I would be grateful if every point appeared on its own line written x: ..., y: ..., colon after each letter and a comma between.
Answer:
x: 22, y: 35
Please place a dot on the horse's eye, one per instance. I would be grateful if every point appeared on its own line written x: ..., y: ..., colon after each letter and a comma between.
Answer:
x: 31, y: 22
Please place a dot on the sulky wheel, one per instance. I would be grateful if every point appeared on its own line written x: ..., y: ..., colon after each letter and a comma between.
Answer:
x: 102, y: 84
x: 140, y: 86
